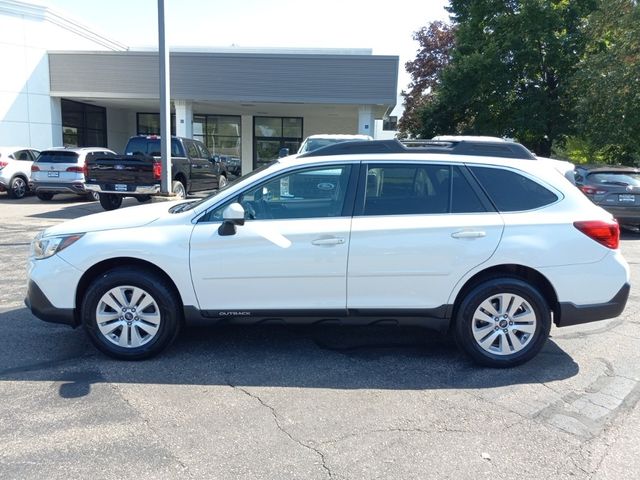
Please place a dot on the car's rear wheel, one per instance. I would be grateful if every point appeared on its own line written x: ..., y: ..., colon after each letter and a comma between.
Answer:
x: 109, y: 201
x: 92, y: 196
x: 131, y: 314
x: 502, y: 322
x: 18, y: 188
x: 178, y: 188
x: 45, y: 196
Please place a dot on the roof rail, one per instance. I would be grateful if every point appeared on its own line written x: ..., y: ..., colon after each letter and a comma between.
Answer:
x: 500, y: 149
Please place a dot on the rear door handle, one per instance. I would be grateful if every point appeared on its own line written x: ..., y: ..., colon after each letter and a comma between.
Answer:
x: 469, y: 234
x: 328, y: 241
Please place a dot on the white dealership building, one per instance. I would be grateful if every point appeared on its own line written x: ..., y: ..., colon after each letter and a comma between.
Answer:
x: 64, y: 84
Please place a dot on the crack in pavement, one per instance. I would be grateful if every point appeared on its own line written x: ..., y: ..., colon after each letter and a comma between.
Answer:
x: 276, y: 420
x: 150, y: 426
x: 392, y: 430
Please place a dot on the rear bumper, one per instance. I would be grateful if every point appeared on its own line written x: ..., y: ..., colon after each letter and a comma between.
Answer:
x: 41, y: 307
x: 571, y: 314
x: 50, y: 187
x: 629, y: 214
x: 131, y: 189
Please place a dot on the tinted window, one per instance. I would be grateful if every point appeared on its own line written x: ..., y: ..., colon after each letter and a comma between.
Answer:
x: 203, y: 152
x: 615, y: 178
x: 22, y: 155
x: 151, y: 146
x: 192, y: 150
x: 407, y: 189
x: 512, y: 192
x: 58, y: 157
x: 311, y: 193
x: 464, y: 198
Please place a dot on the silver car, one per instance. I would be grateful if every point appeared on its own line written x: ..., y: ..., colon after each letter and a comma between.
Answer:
x: 62, y: 170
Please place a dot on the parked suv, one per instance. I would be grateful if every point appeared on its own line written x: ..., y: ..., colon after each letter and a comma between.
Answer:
x: 62, y: 170
x: 15, y: 168
x: 493, y: 248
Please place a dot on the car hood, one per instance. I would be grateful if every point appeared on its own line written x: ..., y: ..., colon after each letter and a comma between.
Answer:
x: 129, y: 217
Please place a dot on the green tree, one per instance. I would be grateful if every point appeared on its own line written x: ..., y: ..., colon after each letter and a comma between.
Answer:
x: 510, y: 70
x: 436, y: 42
x: 607, y: 84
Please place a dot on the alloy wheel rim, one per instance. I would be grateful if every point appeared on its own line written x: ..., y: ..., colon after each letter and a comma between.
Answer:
x: 19, y: 187
x: 222, y: 182
x: 180, y: 192
x: 504, y: 324
x: 128, y: 316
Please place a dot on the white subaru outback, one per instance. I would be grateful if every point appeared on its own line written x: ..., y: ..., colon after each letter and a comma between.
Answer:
x: 476, y: 238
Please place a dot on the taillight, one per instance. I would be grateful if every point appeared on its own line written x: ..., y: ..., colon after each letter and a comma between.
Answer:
x: 85, y: 170
x: 605, y: 233
x: 35, y: 168
x: 3, y: 164
x: 157, y: 171
x: 75, y: 169
x: 591, y: 190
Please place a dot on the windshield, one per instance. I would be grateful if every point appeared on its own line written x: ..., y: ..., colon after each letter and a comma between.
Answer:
x: 191, y: 204
x: 151, y: 146
x: 316, y: 143
x: 615, y: 178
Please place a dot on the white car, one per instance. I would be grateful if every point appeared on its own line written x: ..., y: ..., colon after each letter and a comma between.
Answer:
x: 492, y: 249
x: 15, y: 169
x: 62, y: 170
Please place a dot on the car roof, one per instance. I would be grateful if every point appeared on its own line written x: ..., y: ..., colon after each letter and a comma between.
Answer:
x: 331, y: 136
x: 77, y: 149
x: 16, y: 148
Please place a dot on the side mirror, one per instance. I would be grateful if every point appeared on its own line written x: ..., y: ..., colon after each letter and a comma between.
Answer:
x: 284, y: 152
x: 215, y: 158
x: 232, y: 215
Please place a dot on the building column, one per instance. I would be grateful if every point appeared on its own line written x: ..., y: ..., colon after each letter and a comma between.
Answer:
x: 246, y: 130
x: 184, y: 118
x: 366, y: 121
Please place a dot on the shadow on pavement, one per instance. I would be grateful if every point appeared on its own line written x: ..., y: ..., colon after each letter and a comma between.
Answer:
x: 306, y: 357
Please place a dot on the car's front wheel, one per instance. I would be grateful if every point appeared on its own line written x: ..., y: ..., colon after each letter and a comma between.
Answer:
x: 502, y: 322
x: 131, y: 314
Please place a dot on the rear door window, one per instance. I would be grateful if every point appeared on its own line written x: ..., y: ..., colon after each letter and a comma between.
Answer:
x: 511, y: 191
x: 192, y: 150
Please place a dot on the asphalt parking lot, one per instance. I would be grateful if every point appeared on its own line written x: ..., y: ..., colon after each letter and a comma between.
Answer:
x: 306, y: 403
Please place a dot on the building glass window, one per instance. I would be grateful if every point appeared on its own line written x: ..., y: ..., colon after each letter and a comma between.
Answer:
x: 220, y: 133
x: 270, y: 134
x: 390, y: 124
x: 83, y: 125
x: 149, y: 124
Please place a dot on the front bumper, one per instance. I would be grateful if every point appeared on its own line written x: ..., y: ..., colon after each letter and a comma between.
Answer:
x: 572, y: 314
x: 131, y: 189
x: 41, y: 307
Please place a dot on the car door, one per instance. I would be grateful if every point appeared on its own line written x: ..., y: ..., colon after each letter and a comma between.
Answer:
x: 291, y: 253
x: 211, y: 170
x: 417, y: 229
x: 198, y: 167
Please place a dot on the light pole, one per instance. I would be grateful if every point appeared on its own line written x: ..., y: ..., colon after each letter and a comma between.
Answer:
x: 165, y: 104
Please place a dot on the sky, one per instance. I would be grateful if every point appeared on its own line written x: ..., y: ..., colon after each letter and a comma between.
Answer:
x: 386, y: 27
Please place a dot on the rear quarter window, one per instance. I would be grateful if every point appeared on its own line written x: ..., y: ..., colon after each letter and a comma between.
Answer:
x: 512, y: 192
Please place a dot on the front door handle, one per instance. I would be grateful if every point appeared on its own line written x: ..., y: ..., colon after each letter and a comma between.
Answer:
x: 328, y: 241
x: 469, y: 234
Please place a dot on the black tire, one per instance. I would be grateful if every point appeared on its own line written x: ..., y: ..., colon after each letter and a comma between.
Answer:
x: 110, y: 201
x: 125, y: 279
x: 18, y: 187
x: 44, y: 196
x: 143, y: 198
x: 178, y: 188
x: 502, y: 328
x: 92, y: 196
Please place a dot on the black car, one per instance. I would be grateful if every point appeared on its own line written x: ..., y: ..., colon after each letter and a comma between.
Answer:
x: 616, y: 189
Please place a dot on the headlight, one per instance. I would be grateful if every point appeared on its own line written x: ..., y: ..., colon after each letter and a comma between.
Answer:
x: 44, y: 247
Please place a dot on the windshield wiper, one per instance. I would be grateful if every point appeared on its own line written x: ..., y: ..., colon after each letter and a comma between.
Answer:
x: 181, y: 207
